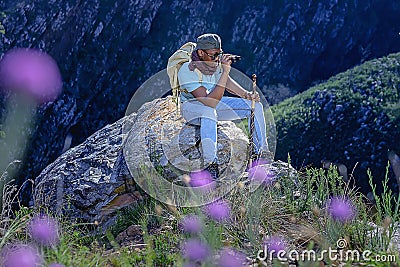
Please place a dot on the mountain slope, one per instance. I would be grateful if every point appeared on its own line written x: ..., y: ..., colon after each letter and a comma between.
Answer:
x: 352, y: 118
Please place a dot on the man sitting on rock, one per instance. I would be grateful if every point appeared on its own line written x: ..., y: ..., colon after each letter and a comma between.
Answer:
x: 204, y: 103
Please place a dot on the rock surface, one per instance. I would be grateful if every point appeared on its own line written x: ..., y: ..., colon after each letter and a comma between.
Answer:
x: 105, y: 50
x: 87, y: 178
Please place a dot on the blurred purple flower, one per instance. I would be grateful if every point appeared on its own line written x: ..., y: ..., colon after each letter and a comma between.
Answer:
x: 259, y: 174
x: 202, y: 179
x: 218, y: 210
x: 44, y: 230
x: 275, y: 244
x: 195, y: 250
x: 21, y: 256
x: 231, y: 258
x: 31, y: 72
x: 341, y: 209
x: 191, y: 224
x: 56, y: 265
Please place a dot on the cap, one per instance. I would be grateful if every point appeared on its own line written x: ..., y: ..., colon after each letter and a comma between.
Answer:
x: 208, y: 41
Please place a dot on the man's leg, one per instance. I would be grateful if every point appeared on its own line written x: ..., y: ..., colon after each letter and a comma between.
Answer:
x: 233, y: 108
x: 196, y: 113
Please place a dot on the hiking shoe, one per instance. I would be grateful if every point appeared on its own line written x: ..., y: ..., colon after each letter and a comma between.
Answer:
x: 212, y: 168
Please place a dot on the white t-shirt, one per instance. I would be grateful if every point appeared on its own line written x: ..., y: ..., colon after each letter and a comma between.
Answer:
x: 189, y: 80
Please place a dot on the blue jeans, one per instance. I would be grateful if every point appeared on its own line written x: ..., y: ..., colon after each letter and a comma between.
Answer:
x: 228, y: 109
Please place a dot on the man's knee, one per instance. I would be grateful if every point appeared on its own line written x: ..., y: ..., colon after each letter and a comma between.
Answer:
x: 209, y: 113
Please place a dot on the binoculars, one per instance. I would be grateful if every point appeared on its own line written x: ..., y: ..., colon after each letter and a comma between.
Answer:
x: 234, y: 58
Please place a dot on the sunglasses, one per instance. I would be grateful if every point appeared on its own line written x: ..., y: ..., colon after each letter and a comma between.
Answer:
x: 213, y: 57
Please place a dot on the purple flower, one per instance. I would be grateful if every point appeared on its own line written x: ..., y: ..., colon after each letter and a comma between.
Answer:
x: 191, y: 224
x: 259, y: 174
x: 202, y: 179
x: 21, y: 256
x: 56, y: 265
x: 195, y: 250
x: 231, y: 258
x: 31, y: 72
x: 275, y: 244
x: 341, y: 209
x: 218, y: 210
x: 44, y: 230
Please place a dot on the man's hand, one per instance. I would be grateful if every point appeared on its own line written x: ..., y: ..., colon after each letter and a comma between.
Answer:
x: 226, y: 62
x: 252, y: 96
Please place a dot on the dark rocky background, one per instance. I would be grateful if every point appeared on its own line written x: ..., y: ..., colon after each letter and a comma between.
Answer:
x: 107, y: 49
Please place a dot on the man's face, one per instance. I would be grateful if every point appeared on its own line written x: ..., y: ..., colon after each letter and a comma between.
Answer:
x: 211, y: 55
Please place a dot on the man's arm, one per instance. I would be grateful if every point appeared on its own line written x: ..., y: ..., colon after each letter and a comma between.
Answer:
x: 233, y: 87
x: 215, y: 96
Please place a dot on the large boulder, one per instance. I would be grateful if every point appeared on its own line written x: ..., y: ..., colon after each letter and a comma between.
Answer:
x: 92, y: 180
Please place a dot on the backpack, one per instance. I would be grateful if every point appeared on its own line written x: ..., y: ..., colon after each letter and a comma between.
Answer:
x: 175, y: 62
